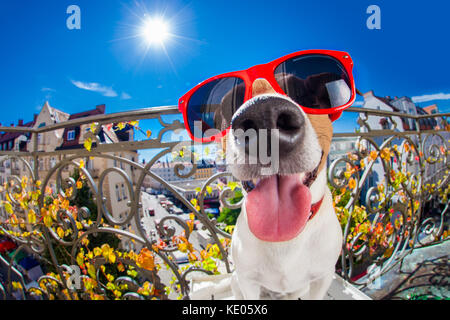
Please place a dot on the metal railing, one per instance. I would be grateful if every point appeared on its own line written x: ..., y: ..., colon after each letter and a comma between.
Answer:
x: 390, y: 194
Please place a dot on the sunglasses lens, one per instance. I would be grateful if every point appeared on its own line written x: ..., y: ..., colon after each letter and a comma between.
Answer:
x: 314, y: 81
x: 211, y: 107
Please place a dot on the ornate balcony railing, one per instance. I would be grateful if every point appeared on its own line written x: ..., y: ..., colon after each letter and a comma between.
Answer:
x: 390, y: 194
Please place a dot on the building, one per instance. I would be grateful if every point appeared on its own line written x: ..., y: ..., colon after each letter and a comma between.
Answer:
x: 340, y: 147
x: 14, y: 141
x: 168, y: 172
x: 205, y: 169
x: 397, y: 124
x: 441, y: 123
x: 113, y: 187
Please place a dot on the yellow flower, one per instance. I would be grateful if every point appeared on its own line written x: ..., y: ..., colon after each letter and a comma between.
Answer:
x: 406, y: 146
x: 373, y: 155
x: 8, y: 207
x: 385, y: 154
x: 108, y: 253
x: 94, y: 126
x: 16, y: 285
x: 60, y: 232
x: 145, y: 259
x: 362, y: 163
x: 352, y: 183
x: 88, y: 144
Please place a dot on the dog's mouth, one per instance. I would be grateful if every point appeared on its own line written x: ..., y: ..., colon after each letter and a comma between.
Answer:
x: 279, y: 206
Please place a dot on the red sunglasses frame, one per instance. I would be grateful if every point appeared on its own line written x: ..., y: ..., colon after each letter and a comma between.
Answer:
x: 267, y: 71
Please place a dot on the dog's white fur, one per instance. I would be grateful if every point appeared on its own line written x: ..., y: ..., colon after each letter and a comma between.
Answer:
x: 299, y: 268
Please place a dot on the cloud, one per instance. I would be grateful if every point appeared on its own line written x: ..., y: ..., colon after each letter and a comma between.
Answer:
x: 45, y: 89
x: 125, y: 96
x: 430, y: 97
x: 96, y: 87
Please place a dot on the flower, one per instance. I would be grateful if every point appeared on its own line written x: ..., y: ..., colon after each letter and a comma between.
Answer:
x: 385, y: 154
x: 373, y: 155
x: 108, y: 253
x: 352, y: 183
x: 145, y: 259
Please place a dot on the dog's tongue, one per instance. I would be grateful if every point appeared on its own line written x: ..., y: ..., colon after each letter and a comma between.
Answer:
x: 278, y: 208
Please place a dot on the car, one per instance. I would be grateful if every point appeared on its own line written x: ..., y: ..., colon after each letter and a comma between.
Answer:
x: 151, y: 212
x: 180, y: 257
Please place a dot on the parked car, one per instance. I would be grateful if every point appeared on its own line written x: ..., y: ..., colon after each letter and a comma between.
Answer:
x: 7, y: 246
x: 180, y: 257
x: 151, y: 212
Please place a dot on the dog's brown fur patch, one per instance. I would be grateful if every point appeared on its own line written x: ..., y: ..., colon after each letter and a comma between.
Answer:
x: 261, y: 86
x: 324, y: 130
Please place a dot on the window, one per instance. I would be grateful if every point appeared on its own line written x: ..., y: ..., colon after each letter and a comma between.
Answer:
x: 52, y: 162
x: 71, y: 135
x: 124, y: 193
x: 118, y: 193
x: 10, y: 145
x: 121, y: 164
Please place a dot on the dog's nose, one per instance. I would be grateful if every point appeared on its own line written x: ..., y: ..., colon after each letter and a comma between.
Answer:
x: 268, y: 111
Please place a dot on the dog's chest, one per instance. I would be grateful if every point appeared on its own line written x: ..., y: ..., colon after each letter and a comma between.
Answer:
x: 285, y: 267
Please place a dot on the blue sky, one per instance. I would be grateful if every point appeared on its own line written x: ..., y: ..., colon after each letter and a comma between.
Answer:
x: 41, y: 59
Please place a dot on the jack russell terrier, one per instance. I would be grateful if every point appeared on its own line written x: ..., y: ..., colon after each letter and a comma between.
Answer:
x: 287, y: 237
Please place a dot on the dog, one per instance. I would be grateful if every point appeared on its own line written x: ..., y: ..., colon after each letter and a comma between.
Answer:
x: 287, y: 237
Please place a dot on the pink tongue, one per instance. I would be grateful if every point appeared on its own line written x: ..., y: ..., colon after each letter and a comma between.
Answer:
x: 278, y: 208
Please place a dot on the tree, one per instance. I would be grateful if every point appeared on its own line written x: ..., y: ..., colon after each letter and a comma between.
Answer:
x: 84, y: 198
x: 227, y: 215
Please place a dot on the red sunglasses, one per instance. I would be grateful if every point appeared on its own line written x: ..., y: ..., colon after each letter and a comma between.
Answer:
x: 319, y: 81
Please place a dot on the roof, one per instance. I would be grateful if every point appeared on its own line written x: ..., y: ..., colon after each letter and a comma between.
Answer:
x: 428, y: 109
x: 8, y: 136
x: 74, y: 144
x: 387, y: 101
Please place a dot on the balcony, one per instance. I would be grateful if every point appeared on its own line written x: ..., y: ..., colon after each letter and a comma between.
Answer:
x: 390, y: 194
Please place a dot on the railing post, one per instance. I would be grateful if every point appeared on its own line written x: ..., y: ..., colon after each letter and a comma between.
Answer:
x: 35, y: 157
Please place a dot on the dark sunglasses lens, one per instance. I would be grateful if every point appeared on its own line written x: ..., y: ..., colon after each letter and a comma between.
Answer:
x: 211, y: 107
x: 314, y: 81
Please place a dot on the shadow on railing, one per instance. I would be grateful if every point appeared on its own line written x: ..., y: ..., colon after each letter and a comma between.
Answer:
x: 84, y: 214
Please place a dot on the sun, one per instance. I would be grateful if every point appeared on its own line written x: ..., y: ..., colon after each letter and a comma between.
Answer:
x: 155, y: 31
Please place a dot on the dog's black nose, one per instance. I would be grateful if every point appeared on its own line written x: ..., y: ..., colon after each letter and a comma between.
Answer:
x: 270, y: 112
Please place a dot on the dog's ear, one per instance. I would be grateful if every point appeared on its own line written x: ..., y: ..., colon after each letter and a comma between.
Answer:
x: 324, y: 130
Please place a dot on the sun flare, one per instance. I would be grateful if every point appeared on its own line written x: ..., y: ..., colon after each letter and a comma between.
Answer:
x: 155, y: 31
